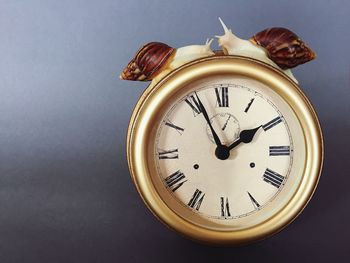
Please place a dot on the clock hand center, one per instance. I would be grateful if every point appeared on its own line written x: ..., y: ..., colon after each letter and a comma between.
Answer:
x: 246, y: 136
x: 222, y: 152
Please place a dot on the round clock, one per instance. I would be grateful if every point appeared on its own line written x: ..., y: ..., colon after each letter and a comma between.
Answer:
x: 225, y: 149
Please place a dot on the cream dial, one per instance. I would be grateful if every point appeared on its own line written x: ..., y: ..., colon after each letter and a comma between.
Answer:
x: 255, y: 172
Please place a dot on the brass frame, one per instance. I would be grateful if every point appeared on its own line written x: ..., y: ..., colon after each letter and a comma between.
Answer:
x: 141, y: 124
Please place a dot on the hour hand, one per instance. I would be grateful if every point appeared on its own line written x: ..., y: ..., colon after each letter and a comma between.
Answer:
x: 205, y: 114
x: 245, y: 136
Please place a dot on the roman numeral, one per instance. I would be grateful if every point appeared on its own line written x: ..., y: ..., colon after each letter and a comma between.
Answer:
x: 255, y: 203
x: 193, y: 103
x: 273, y: 178
x: 248, y: 106
x: 279, y: 150
x: 225, y: 207
x: 168, y: 154
x: 272, y: 123
x: 196, y: 200
x: 177, y: 128
x: 175, y: 180
x: 222, y: 96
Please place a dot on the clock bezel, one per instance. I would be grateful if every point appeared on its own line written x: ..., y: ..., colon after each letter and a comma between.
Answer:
x: 140, y: 127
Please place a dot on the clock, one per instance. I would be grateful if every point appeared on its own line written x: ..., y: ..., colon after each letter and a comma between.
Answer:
x: 225, y: 150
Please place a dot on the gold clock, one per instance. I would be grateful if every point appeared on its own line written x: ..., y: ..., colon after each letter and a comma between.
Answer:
x: 225, y: 149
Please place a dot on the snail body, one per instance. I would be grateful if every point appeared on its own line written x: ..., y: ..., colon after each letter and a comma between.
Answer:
x: 233, y: 45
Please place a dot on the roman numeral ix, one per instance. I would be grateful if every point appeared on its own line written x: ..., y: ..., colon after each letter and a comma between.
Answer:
x: 168, y: 154
x: 194, y: 104
x: 279, y: 150
x: 196, y: 200
x: 222, y: 96
x: 175, y: 180
x: 272, y: 123
x: 225, y: 207
x: 273, y: 178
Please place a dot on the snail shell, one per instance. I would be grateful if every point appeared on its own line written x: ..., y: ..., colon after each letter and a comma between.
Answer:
x: 283, y: 47
x: 154, y: 60
x: 148, y: 61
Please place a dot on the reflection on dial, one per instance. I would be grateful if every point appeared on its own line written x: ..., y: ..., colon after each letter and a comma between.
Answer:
x: 254, y: 173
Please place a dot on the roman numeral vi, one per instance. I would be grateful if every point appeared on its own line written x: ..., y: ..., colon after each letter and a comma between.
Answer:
x: 225, y: 207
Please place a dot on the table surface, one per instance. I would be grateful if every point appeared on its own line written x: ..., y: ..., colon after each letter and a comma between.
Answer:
x: 65, y: 190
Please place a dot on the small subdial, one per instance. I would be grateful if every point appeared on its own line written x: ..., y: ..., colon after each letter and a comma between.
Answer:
x: 227, y: 127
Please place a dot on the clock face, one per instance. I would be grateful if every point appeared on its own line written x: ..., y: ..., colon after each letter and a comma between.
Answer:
x: 224, y: 149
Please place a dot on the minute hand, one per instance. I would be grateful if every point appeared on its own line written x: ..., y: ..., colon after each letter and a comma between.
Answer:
x: 245, y: 136
x: 205, y: 114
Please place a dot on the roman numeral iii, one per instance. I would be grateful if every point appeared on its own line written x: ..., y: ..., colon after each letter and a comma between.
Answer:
x: 168, y: 154
x: 279, y: 150
x: 222, y: 96
x: 196, y: 200
x: 273, y: 178
x: 225, y: 207
x: 272, y: 123
x: 175, y: 180
x: 193, y: 103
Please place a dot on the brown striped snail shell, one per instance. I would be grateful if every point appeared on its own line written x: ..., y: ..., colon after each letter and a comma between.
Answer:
x: 148, y: 61
x: 283, y: 47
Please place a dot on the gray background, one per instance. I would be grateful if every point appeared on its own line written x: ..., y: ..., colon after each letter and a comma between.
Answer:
x: 65, y: 190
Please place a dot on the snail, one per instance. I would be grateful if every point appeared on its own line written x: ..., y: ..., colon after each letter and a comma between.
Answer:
x: 283, y: 47
x: 148, y: 61
x: 278, y: 47
x: 155, y: 59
